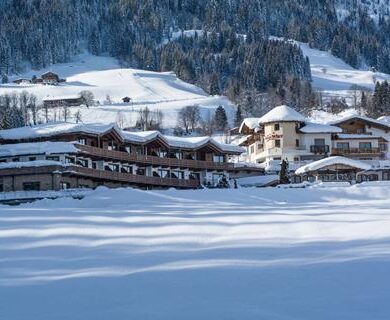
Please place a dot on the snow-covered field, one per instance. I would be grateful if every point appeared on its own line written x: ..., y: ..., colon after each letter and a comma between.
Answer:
x: 103, y: 76
x: 319, y: 253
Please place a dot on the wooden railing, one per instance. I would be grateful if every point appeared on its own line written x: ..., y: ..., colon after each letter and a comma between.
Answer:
x: 341, y: 151
x: 103, y: 175
x: 152, y: 160
x: 132, y: 178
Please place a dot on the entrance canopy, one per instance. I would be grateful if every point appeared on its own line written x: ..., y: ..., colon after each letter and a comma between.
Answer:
x: 333, y: 162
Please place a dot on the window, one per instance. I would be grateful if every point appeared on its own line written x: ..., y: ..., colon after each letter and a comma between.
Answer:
x: 94, y: 165
x: 64, y: 185
x: 112, y: 146
x: 343, y: 145
x: 252, y: 149
x: 31, y: 186
x: 365, y: 145
x: 218, y: 158
x: 15, y: 159
x: 276, y: 127
x: 383, y: 146
x: 82, y: 141
x: 127, y: 169
x: 360, y: 130
x: 297, y: 142
x: 1, y: 187
x: 69, y: 160
x: 319, y: 142
x: 32, y: 158
x: 128, y: 149
x: 163, y: 173
x: 177, y: 174
x: 51, y: 158
x: 277, y: 143
x: 82, y: 162
x: 3, y: 160
x: 296, y: 159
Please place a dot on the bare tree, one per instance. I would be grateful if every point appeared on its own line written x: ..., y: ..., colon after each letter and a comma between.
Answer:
x: 149, y: 120
x: 65, y: 113
x: 120, y: 119
x: 77, y: 116
x: 188, y: 118
x: 87, y: 97
x: 33, y: 107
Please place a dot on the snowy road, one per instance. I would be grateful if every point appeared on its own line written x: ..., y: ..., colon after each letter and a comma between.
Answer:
x: 221, y: 254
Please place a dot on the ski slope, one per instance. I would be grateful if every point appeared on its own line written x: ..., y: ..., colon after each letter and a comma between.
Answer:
x: 333, y: 74
x: 293, y: 254
x: 104, y: 77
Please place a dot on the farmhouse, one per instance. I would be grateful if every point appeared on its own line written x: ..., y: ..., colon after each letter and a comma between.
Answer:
x: 65, y: 155
x: 63, y: 101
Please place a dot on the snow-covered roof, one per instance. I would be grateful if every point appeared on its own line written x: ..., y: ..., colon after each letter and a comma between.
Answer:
x: 381, y: 123
x: 30, y: 164
x: 51, y: 129
x: 282, y: 114
x: 57, y: 98
x: 311, y: 127
x: 34, y: 148
x: 179, y: 142
x: 316, y: 165
x: 251, y: 123
x: 54, y: 129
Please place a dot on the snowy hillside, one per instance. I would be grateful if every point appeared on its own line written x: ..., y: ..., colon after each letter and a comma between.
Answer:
x: 103, y: 76
x: 332, y: 74
x: 296, y: 254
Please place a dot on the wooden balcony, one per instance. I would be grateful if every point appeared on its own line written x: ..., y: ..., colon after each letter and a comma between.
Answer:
x: 317, y: 149
x: 356, y: 151
x: 131, y: 178
x: 102, y: 175
x: 152, y: 160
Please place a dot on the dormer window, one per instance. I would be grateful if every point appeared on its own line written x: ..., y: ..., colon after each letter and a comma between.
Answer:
x: 276, y: 127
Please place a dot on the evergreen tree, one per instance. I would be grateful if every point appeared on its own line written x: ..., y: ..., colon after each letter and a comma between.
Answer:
x: 238, y: 118
x: 283, y: 174
x: 220, y: 119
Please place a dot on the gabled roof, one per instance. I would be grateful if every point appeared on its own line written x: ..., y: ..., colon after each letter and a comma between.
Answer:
x: 250, y: 123
x: 282, y: 114
x: 311, y: 127
x: 378, y: 123
x: 142, y: 137
x: 326, y: 162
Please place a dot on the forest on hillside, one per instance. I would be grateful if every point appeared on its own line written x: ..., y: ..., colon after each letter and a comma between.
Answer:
x: 233, y: 55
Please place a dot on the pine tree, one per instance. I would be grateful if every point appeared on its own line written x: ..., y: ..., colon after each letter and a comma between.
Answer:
x: 239, y: 118
x: 220, y: 119
x: 283, y: 174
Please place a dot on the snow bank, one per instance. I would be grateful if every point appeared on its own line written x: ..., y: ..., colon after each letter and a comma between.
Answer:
x: 203, y: 254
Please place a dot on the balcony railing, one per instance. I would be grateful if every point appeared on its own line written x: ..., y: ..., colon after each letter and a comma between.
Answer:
x: 316, y: 149
x: 132, y: 178
x: 103, y: 175
x: 341, y: 151
x: 153, y: 160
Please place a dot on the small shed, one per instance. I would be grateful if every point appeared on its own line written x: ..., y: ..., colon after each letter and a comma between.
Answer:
x: 126, y: 100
